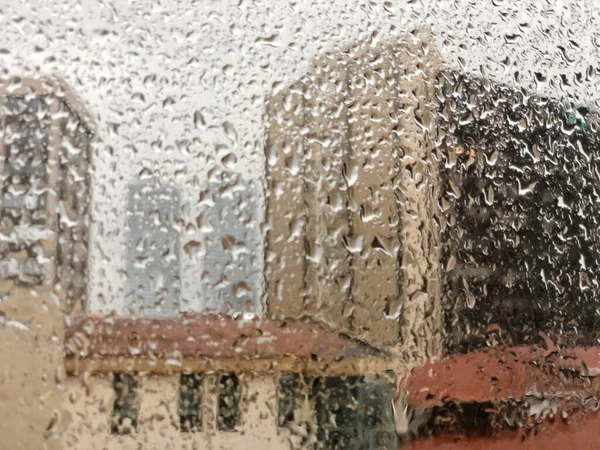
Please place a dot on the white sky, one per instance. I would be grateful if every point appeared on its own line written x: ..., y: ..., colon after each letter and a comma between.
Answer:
x: 143, y: 68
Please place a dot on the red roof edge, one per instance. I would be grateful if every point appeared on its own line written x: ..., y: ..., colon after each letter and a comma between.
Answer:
x: 496, y: 375
x: 208, y: 336
x: 501, y: 373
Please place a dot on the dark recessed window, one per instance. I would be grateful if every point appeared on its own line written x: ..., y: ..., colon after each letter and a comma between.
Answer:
x: 125, y: 413
x: 228, y: 405
x: 336, y: 405
x: 190, y: 402
x: 287, y: 392
x: 355, y: 411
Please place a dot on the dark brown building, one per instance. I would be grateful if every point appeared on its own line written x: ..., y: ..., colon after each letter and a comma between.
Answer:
x: 519, y: 205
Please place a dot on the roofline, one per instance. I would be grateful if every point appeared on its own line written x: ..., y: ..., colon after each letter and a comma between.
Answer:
x: 191, y: 336
x: 46, y: 86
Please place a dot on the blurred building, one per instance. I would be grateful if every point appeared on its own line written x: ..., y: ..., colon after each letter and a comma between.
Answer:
x: 353, y: 186
x: 413, y: 213
x: 518, y: 219
x: 44, y: 165
x: 45, y: 198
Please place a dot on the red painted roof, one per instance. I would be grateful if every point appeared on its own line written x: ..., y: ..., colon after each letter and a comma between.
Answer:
x: 212, y: 336
x: 502, y: 373
x: 578, y: 431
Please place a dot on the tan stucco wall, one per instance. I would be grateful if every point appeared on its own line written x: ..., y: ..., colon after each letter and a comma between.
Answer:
x: 344, y: 183
x: 31, y: 369
x: 87, y: 405
x: 43, y: 408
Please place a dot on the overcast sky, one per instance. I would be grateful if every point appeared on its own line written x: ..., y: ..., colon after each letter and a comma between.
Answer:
x: 146, y: 69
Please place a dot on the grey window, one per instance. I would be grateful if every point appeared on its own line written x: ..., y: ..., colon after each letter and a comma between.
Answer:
x: 26, y: 139
x: 231, y: 268
x: 152, y: 258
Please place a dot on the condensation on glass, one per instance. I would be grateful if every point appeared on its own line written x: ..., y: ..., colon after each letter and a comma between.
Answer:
x: 153, y: 250
x: 302, y: 225
x: 231, y: 238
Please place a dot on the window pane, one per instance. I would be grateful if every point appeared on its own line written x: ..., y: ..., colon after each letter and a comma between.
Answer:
x: 299, y: 224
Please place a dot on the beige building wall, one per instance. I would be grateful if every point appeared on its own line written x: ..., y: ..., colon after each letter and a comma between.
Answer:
x: 352, y: 180
x: 33, y: 310
x: 32, y: 373
x: 88, y: 400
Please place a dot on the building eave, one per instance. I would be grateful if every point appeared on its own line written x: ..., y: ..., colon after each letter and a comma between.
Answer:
x: 215, y: 342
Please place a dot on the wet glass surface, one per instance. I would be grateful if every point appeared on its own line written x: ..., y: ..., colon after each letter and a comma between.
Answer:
x: 298, y: 224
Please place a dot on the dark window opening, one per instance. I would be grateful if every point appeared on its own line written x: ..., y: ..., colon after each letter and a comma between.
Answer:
x: 355, y: 412
x: 289, y: 389
x: 190, y: 402
x: 125, y: 412
x: 228, y: 404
